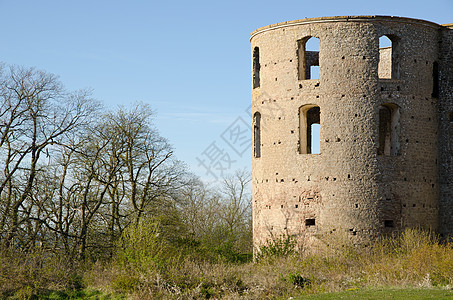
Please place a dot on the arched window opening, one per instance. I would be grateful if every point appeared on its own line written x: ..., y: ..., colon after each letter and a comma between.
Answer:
x: 256, y: 67
x: 389, y: 129
x: 308, y: 58
x: 309, y: 129
x: 435, y: 93
x: 388, y: 67
x: 257, y: 134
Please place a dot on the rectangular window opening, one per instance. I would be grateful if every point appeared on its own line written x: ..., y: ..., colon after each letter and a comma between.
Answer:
x: 435, y: 93
x: 310, y: 222
x: 388, y: 223
x: 257, y: 134
x: 256, y: 67
x: 309, y: 129
x: 388, y: 129
x: 388, y: 66
x: 308, y: 58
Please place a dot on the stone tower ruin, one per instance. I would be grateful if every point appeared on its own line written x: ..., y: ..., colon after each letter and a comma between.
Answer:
x: 352, y: 137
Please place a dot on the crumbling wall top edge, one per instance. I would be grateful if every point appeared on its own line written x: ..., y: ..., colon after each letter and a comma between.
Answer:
x: 347, y: 19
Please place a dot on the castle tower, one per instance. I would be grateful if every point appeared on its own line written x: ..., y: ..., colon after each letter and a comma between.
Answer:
x: 353, y: 136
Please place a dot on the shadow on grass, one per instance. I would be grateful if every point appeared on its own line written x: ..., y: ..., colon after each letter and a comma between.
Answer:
x: 70, y: 294
x: 387, y: 293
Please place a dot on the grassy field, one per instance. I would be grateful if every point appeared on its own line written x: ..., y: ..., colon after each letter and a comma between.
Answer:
x: 416, y: 265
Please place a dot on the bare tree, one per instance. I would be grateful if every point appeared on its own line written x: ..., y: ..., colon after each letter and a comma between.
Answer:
x: 36, y: 113
x: 220, y: 216
x: 149, y: 170
x: 73, y: 177
x: 236, y: 209
x: 200, y: 208
x: 134, y: 171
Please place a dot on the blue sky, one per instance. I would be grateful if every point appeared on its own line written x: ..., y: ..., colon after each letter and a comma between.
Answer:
x: 189, y: 60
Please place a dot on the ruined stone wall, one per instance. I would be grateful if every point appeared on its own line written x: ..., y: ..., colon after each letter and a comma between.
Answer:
x: 384, y: 67
x: 446, y: 130
x: 348, y: 188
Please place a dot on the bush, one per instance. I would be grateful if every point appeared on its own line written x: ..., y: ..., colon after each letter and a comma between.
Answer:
x: 297, y: 280
x: 142, y: 246
x: 29, y: 274
x: 279, y: 247
x: 125, y: 283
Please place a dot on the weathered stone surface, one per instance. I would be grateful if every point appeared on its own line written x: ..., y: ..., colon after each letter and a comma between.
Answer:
x: 386, y: 150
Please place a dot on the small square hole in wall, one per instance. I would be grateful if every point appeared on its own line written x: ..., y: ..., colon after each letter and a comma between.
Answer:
x: 310, y: 222
x: 388, y: 223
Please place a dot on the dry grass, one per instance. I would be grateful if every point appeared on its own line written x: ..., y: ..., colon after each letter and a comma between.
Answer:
x: 28, y: 274
x: 415, y: 259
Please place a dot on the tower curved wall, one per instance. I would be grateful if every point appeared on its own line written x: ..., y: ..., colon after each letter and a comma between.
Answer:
x: 353, y: 186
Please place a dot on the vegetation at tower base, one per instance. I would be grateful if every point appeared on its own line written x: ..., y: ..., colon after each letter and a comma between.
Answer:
x: 413, y: 260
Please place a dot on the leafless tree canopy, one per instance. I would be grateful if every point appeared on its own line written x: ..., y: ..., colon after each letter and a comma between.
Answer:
x: 73, y: 176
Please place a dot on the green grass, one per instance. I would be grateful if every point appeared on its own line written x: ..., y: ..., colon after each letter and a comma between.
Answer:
x: 387, y: 293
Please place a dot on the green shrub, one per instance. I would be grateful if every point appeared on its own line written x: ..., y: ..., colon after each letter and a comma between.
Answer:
x: 228, y: 252
x: 141, y: 245
x: 297, y: 280
x: 278, y: 247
